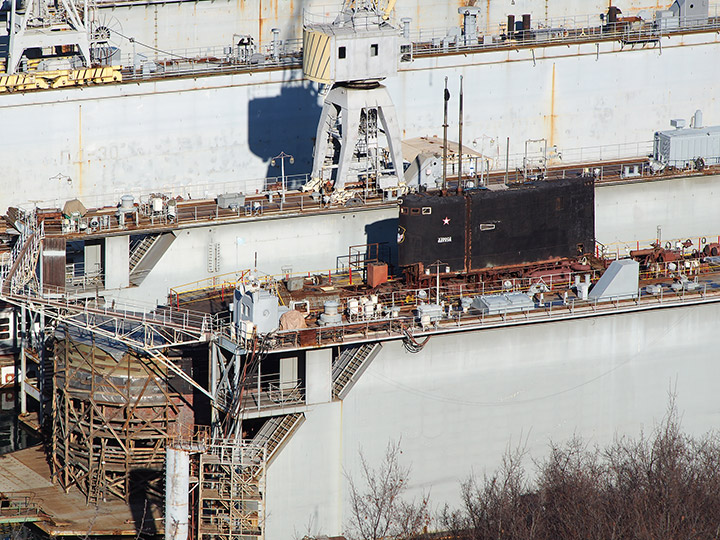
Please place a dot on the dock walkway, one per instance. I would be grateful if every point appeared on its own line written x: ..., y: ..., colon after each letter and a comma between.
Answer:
x: 25, y: 482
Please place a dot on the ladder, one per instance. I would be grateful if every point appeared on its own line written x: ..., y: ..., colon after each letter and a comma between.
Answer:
x: 96, y: 489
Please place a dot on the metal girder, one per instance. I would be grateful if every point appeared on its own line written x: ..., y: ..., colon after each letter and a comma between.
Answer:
x: 139, y: 331
x: 155, y: 330
x: 157, y: 355
x: 36, y: 26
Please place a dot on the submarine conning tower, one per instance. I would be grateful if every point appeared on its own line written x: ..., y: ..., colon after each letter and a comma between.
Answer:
x: 522, y: 224
x: 358, y: 137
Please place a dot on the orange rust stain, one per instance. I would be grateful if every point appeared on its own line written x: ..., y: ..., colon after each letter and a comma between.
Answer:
x: 552, y: 110
x: 260, y: 22
x: 650, y: 6
x: 271, y: 10
x: 80, y: 151
x: 487, y: 17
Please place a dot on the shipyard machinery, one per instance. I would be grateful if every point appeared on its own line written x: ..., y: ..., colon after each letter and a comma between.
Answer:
x: 39, y: 25
x: 62, y: 34
x: 358, y: 137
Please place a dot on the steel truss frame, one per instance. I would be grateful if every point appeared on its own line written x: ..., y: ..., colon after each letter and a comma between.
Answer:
x: 111, y: 422
x: 231, y: 487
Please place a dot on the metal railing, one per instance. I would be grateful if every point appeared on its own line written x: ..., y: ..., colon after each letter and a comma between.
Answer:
x: 621, y: 249
x: 77, y: 278
x: 235, y: 451
x: 561, y: 30
x: 363, y: 20
x: 147, y: 326
x: 269, y: 391
x: 156, y: 63
x: 263, y: 393
x: 182, y: 192
x: 230, y: 280
x: 20, y: 509
x: 555, y: 156
x: 453, y: 321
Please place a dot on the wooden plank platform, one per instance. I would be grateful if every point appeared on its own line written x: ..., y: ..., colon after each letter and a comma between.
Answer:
x: 25, y: 476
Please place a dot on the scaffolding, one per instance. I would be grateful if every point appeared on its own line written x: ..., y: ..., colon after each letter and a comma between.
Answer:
x: 231, y: 485
x: 112, y: 415
x: 116, y: 399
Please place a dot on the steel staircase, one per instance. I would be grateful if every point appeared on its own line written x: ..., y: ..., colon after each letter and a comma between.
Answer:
x: 350, y: 365
x: 45, y: 377
x: 145, y: 252
x: 231, y: 487
x: 275, y: 432
x: 140, y: 248
x: 20, y: 269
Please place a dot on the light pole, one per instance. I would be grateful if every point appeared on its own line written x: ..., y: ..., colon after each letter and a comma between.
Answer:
x: 281, y: 156
x: 438, y: 264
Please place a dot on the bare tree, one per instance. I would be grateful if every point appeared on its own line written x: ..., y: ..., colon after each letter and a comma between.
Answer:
x: 663, y: 486
x: 378, y: 509
x: 498, y: 506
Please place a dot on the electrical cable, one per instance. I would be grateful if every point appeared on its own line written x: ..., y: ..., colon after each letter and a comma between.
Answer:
x: 133, y: 40
x: 410, y: 343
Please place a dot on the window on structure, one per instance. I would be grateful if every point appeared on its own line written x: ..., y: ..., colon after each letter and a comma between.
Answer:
x: 374, y: 49
x: 414, y: 211
x: 342, y: 52
x: 5, y: 328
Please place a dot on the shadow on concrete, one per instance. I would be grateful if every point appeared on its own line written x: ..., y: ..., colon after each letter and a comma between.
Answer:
x: 384, y: 232
x: 285, y: 123
x: 143, y: 499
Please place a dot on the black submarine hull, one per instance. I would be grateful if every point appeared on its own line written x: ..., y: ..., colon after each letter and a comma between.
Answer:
x: 480, y: 229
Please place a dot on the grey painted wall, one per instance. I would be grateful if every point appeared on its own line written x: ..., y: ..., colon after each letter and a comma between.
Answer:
x: 682, y: 207
x: 307, y: 243
x: 458, y: 405
x: 215, y: 134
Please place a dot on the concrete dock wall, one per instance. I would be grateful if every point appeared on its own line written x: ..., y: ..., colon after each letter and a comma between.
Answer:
x: 464, y: 400
x: 220, y: 132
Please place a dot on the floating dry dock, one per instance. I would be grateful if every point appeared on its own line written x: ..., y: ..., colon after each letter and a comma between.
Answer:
x: 255, y: 425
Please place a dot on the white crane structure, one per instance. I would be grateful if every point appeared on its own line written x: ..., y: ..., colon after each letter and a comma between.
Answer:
x: 358, y: 143
x: 40, y: 25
